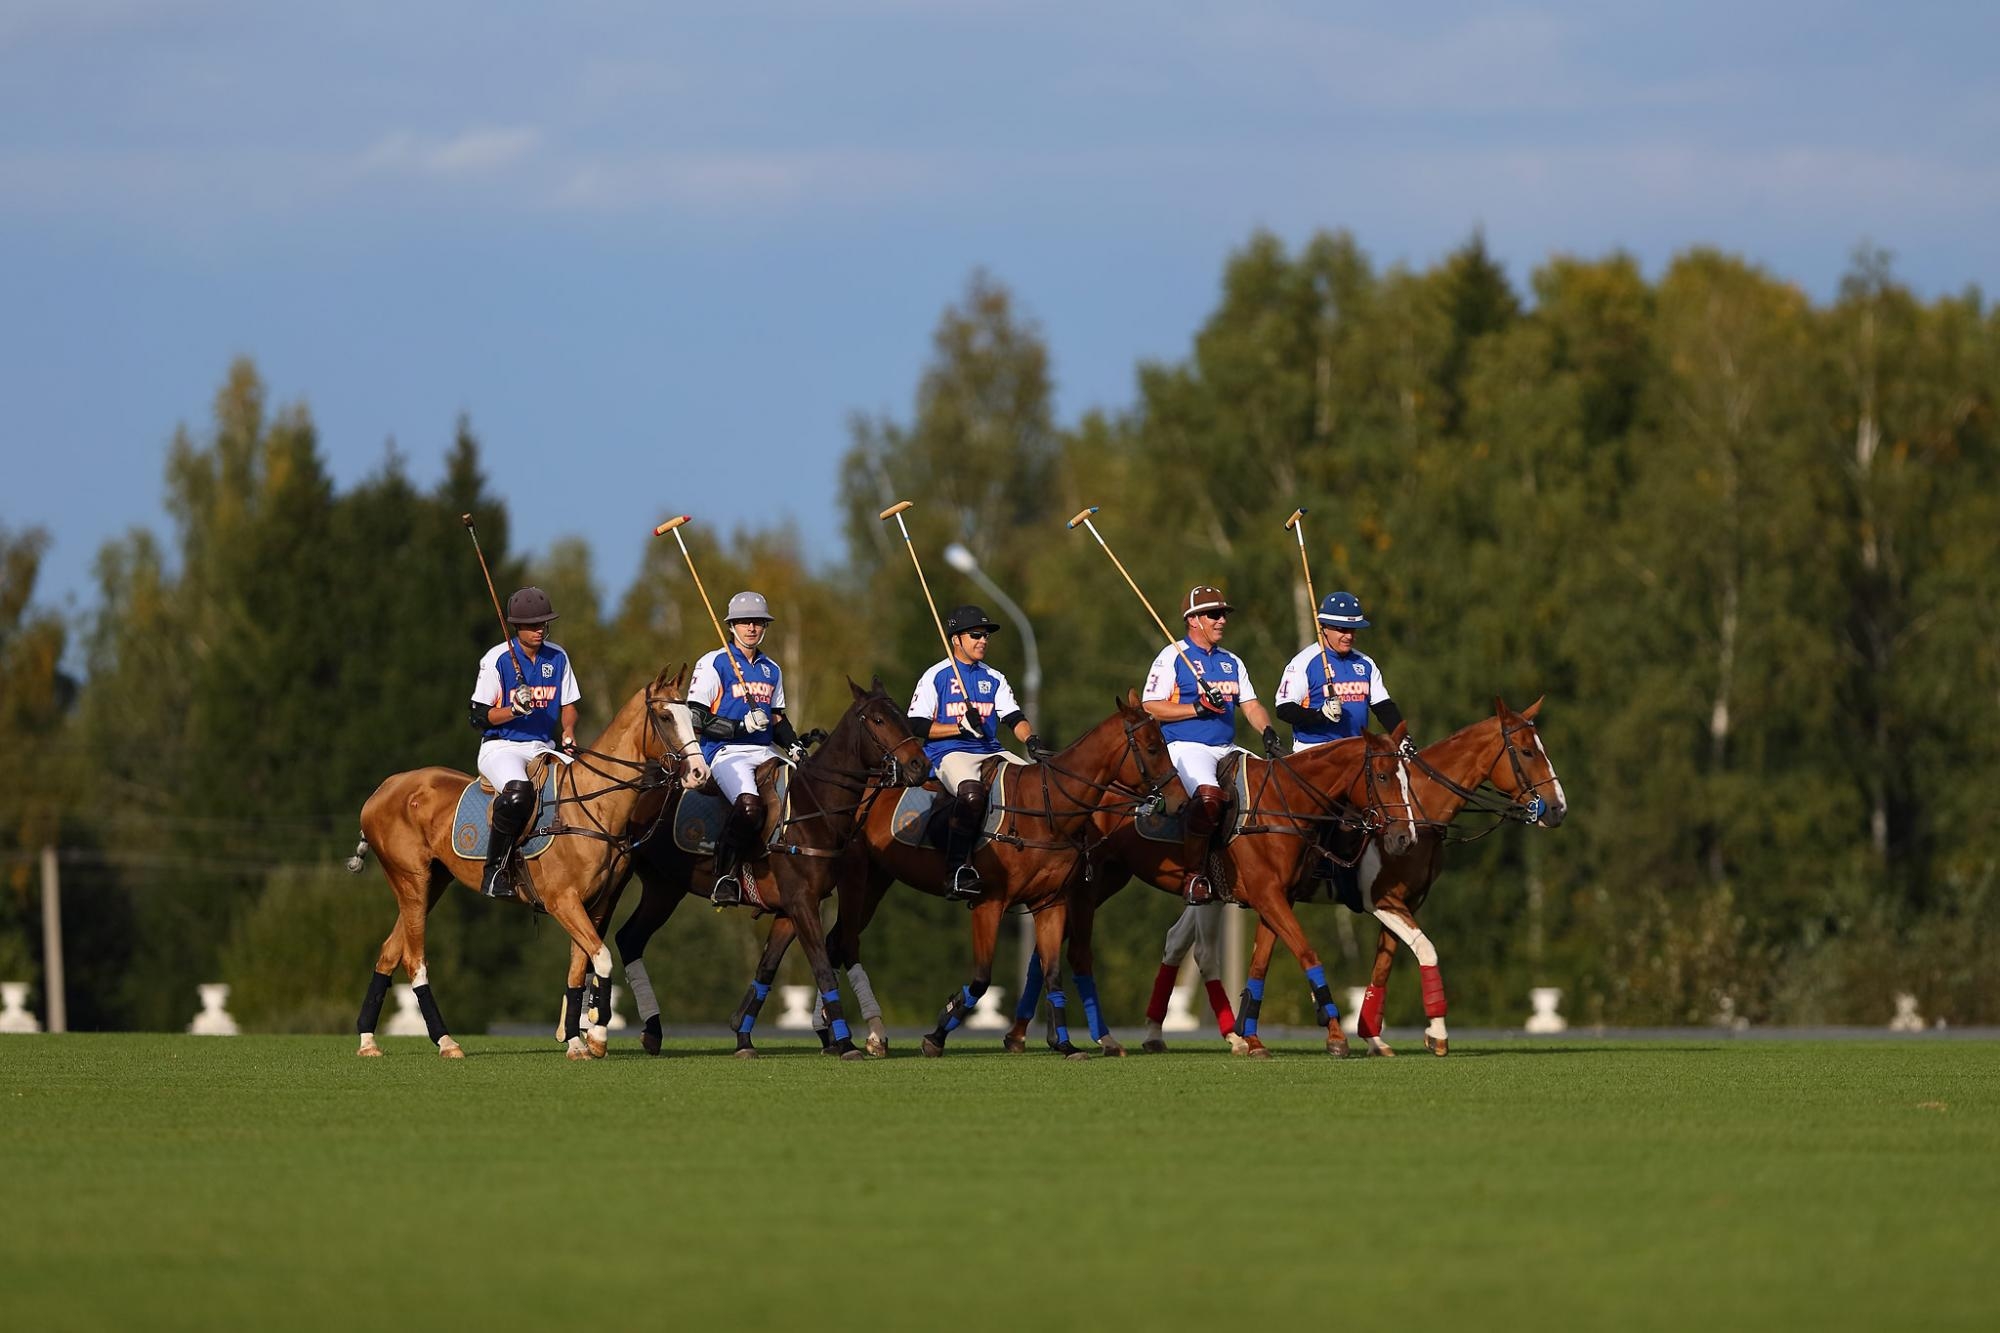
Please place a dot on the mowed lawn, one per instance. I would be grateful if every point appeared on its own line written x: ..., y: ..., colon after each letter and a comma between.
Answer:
x: 177, y: 1182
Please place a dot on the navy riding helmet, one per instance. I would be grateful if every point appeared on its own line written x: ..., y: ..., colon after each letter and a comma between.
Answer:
x: 1342, y: 610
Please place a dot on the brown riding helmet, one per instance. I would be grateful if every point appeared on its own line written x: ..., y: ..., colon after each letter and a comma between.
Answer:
x: 530, y: 606
x: 1202, y: 598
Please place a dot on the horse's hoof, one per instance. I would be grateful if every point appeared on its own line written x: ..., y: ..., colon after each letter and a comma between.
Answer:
x: 1436, y: 1045
x: 1257, y: 1049
x: 1154, y: 1046
x: 1337, y: 1047
x: 449, y: 1049
x: 854, y: 1053
x: 576, y: 1050
x: 599, y: 1047
x: 1237, y: 1046
x: 878, y: 1047
x: 1112, y: 1047
x: 1014, y: 1044
x: 369, y: 1048
x: 650, y: 1043
x: 1074, y: 1054
x: 1380, y: 1048
x: 932, y: 1049
x: 746, y: 1052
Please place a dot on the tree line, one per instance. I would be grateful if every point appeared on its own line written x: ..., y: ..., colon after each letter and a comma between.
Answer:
x: 1740, y: 539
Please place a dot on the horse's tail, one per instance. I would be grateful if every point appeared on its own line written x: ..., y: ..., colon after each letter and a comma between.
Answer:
x: 360, y: 857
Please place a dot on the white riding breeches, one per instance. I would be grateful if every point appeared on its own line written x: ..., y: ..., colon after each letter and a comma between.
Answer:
x: 502, y: 762
x: 1196, y: 762
x: 963, y: 766
x: 1200, y: 929
x: 735, y: 768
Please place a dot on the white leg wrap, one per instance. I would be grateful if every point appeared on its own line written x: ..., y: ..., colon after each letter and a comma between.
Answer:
x: 641, y: 987
x: 864, y: 995
x: 1426, y: 952
x: 422, y: 976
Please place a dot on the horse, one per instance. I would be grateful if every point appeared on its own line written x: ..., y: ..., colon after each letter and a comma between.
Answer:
x: 1035, y: 856
x: 869, y: 751
x: 408, y: 824
x: 1392, y: 885
x: 1293, y: 806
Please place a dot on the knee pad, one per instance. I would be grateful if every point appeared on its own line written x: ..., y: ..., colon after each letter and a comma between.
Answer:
x: 512, y: 807
x: 1204, y: 809
x: 971, y: 804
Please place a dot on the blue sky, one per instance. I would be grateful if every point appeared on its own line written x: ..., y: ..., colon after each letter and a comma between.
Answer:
x: 637, y: 241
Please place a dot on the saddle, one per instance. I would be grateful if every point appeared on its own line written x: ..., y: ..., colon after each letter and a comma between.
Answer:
x: 923, y: 814
x: 1337, y: 878
x: 471, y: 821
x: 700, y: 813
x: 1156, y: 825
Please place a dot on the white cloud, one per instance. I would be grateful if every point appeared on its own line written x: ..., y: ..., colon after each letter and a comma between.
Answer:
x: 469, y: 153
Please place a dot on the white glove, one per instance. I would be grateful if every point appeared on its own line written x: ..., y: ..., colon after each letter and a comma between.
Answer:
x: 1408, y: 749
x: 521, y: 699
x: 756, y: 720
x: 795, y: 755
x: 971, y: 730
x: 1331, y: 710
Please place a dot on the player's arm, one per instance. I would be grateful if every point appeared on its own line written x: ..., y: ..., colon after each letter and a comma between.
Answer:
x: 569, y: 726
x: 1255, y: 713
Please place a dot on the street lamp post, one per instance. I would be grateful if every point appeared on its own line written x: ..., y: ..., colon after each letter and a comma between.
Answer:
x: 962, y: 560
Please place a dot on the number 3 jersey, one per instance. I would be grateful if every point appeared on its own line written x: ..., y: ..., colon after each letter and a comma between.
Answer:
x: 1356, y: 684
x: 548, y: 676
x: 1171, y: 680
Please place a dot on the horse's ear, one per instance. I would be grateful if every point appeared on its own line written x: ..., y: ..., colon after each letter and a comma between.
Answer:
x: 1397, y: 736
x: 1132, y: 698
x: 859, y: 693
x: 1499, y: 706
x: 1529, y: 712
x: 680, y: 679
x: 875, y: 685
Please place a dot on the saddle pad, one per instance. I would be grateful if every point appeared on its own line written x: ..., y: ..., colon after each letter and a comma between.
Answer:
x: 1155, y: 825
x: 700, y: 814
x: 472, y: 820
x: 919, y: 808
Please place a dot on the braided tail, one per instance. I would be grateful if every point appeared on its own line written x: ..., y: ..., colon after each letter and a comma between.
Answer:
x: 360, y: 857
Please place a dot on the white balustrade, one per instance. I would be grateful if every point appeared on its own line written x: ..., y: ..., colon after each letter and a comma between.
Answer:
x: 1180, y: 1011
x: 1350, y: 1017
x: 1907, y: 1018
x: 14, y: 1015
x: 408, y: 1020
x: 986, y: 1015
x: 799, y: 1004
x: 1545, y: 1019
x: 214, y: 1020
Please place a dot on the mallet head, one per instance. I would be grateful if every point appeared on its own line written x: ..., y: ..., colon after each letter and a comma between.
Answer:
x: 1081, y: 515
x: 1293, y: 521
x: 465, y: 519
x: 671, y: 524
x: 895, y: 509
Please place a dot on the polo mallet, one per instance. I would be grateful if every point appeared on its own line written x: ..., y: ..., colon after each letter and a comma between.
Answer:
x: 1173, y: 641
x: 1296, y: 523
x: 506, y: 635
x: 673, y: 525
x: 896, y: 511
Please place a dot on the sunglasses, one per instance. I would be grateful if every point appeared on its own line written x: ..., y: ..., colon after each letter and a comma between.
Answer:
x: 1213, y: 615
x: 978, y: 634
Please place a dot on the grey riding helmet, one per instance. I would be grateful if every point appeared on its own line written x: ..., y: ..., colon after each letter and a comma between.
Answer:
x: 749, y: 606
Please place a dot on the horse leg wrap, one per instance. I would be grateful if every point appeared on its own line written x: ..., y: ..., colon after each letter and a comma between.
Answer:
x: 1218, y: 1000
x: 572, y: 1013
x: 864, y: 994
x: 642, y: 990
x: 600, y: 1001
x: 836, y: 1021
x: 371, y: 1005
x: 1031, y: 991
x: 1059, y: 1014
x: 1369, y: 1024
x: 427, y: 1005
x: 746, y: 1013
x: 1086, y: 986
x: 1163, y: 989
x: 959, y: 1006
x: 1323, y: 1003
x: 1253, y: 1002
x: 1433, y: 992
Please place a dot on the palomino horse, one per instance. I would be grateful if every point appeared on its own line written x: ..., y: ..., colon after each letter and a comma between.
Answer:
x: 1034, y: 859
x: 407, y: 823
x: 870, y: 750
x: 1295, y: 805
x: 1504, y: 750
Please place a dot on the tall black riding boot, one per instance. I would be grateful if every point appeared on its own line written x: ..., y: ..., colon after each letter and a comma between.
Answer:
x: 968, y: 812
x: 511, y: 811
x: 741, y: 834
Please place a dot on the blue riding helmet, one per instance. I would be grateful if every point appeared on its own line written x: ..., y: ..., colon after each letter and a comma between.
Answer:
x: 1342, y: 610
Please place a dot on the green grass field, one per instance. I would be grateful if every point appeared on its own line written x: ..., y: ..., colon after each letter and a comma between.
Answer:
x: 177, y: 1182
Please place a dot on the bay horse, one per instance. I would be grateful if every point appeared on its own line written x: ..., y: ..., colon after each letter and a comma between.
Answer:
x: 1034, y: 859
x: 869, y: 751
x: 1505, y: 751
x: 1294, y: 806
x: 408, y: 824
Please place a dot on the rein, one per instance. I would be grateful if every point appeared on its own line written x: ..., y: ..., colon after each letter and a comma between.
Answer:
x: 1132, y: 799
x: 868, y: 782
x: 1525, y: 807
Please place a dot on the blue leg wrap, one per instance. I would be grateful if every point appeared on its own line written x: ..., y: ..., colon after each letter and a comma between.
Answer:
x: 831, y: 999
x: 1253, y: 1000
x: 958, y: 1011
x: 1031, y: 991
x: 1322, y: 994
x: 1059, y: 1002
x: 1086, y: 986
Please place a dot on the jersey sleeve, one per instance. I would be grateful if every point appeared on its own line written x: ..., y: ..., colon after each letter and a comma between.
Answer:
x: 1004, y: 704
x: 924, y: 701
x: 571, y: 691
x: 706, y: 687
x: 1163, y: 681
x: 1377, y: 691
x: 1295, y: 686
x: 778, y: 694
x: 1246, y: 692
x: 486, y: 686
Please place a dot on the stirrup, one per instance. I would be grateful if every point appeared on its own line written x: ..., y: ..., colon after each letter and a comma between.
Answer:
x: 965, y: 884
x: 1198, y: 890
x: 727, y: 890
x: 497, y: 883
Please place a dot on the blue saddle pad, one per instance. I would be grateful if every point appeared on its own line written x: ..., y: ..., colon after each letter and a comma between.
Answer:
x: 472, y: 821
x: 1157, y: 826
x: 699, y: 815
x: 922, y: 812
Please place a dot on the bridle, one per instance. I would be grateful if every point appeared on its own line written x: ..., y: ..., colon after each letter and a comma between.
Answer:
x: 891, y: 770
x: 1334, y: 811
x: 1525, y: 806
x: 1131, y: 797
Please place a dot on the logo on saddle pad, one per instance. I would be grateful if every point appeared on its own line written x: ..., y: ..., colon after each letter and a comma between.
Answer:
x: 471, y: 822
x: 923, y: 812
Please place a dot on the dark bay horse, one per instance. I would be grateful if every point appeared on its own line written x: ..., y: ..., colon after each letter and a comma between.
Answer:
x: 407, y: 823
x: 1295, y: 804
x: 869, y: 752
x: 1505, y: 751
x: 1034, y: 860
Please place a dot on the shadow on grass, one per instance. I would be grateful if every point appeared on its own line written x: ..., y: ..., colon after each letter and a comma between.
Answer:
x: 1483, y: 1052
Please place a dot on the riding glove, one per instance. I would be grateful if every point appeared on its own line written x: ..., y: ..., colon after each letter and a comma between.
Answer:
x: 1408, y: 749
x: 1273, y: 747
x: 1037, y: 749
x: 521, y: 699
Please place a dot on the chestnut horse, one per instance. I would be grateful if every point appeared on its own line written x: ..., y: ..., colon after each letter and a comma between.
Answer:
x: 1296, y: 805
x: 869, y: 751
x: 407, y: 823
x: 1504, y: 750
x: 1034, y: 860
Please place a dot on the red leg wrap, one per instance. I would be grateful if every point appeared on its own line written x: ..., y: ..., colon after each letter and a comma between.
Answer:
x: 1163, y: 986
x: 1433, y: 993
x: 1218, y: 1000
x: 1370, y: 1022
